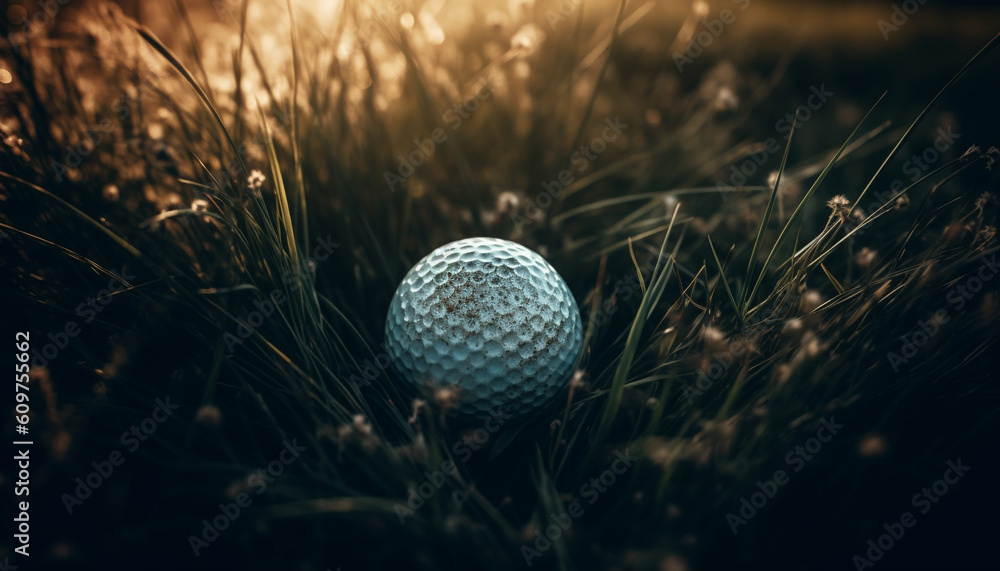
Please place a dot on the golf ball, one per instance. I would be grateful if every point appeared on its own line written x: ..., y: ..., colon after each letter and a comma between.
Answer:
x: 489, y: 317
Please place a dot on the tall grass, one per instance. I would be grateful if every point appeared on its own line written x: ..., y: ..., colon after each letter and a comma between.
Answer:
x: 221, y: 196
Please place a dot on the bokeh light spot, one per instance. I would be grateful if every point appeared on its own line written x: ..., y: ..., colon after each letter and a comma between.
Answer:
x: 16, y: 14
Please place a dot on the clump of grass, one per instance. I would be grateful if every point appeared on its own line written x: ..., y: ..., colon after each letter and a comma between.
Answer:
x: 221, y: 197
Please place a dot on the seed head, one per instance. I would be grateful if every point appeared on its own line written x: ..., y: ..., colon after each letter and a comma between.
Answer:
x: 840, y: 206
x: 208, y: 415
x: 255, y: 181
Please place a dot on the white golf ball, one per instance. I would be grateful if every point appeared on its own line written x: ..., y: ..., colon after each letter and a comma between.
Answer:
x: 490, y: 318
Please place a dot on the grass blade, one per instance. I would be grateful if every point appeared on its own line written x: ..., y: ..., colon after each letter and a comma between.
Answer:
x: 81, y: 214
x: 741, y: 309
x: 833, y: 280
x: 805, y: 199
x: 284, y: 214
x: 725, y: 282
x: 920, y: 117
x: 638, y: 272
x: 657, y: 284
x: 163, y: 50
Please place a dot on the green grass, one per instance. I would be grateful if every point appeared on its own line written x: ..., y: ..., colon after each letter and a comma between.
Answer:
x: 801, y: 334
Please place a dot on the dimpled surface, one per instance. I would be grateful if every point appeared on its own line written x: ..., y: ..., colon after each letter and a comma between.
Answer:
x: 490, y: 316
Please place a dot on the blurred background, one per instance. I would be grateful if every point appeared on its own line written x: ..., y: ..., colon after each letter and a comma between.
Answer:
x: 707, y: 99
